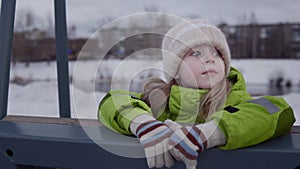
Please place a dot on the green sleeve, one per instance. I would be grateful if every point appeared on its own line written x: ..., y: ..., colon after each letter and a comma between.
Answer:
x: 118, y: 108
x: 252, y: 122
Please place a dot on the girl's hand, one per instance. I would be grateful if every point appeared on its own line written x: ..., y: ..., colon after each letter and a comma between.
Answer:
x: 172, y: 125
x: 154, y: 136
x: 185, y: 143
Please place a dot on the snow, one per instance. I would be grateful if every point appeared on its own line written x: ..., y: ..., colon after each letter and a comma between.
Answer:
x: 259, y: 71
x: 39, y: 97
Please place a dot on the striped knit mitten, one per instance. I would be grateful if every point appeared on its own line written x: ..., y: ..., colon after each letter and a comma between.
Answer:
x: 186, y: 142
x: 154, y: 136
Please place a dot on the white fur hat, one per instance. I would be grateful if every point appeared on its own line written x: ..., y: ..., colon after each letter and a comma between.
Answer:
x: 187, y: 35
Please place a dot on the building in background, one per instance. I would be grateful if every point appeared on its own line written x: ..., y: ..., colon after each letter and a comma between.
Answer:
x: 264, y: 40
x: 245, y: 41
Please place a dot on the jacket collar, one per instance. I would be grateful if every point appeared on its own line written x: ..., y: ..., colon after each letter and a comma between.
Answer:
x: 184, y: 103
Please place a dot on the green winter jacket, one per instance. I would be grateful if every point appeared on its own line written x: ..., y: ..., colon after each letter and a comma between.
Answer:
x: 244, y: 121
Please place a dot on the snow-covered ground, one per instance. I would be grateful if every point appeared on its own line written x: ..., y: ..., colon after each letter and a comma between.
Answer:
x: 38, y: 96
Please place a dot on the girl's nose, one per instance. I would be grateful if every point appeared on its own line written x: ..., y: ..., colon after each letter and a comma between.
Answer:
x: 209, y: 58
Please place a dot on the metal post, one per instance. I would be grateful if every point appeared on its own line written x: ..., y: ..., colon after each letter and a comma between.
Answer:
x: 61, y: 58
x: 6, y: 36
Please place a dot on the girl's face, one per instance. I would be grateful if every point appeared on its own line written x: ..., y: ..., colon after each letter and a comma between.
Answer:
x: 201, y: 67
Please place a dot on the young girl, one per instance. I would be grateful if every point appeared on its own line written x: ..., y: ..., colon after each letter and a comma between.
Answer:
x: 201, y: 103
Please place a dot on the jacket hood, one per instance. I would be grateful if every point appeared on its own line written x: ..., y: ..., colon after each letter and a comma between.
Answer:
x: 237, y: 80
x: 238, y: 91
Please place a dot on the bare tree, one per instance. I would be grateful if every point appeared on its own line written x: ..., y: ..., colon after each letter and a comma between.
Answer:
x: 72, y: 31
x: 193, y: 16
x: 49, y: 27
x: 103, y: 22
x: 252, y: 18
x: 151, y: 8
x: 25, y: 20
x: 242, y: 19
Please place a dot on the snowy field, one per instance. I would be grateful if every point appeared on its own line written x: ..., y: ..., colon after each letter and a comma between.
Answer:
x: 35, y: 93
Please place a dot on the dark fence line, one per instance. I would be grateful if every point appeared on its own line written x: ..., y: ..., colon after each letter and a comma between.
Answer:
x: 6, y: 36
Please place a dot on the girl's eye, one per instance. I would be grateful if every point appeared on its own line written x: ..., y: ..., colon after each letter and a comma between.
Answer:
x: 216, y: 54
x: 196, y: 53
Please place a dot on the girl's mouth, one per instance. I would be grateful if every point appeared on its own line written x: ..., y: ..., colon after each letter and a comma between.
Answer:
x: 209, y: 72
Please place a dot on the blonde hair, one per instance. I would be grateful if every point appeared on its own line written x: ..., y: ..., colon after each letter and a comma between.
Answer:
x: 156, y: 93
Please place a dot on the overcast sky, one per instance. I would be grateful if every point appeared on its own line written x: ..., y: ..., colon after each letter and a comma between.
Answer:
x: 87, y: 14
